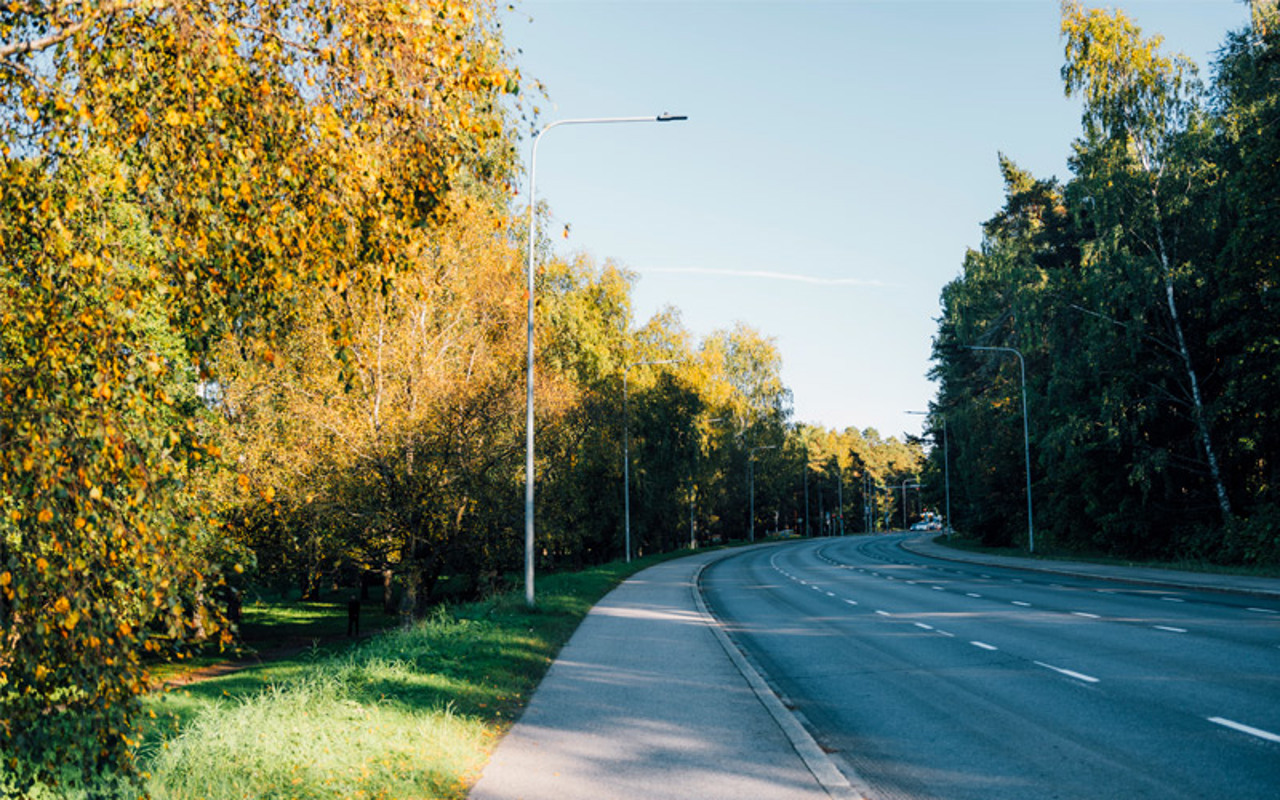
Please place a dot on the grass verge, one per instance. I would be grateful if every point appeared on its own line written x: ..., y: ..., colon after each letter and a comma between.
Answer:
x: 408, y: 713
x: 959, y: 542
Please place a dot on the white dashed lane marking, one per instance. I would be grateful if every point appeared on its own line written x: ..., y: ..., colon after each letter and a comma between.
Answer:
x: 984, y: 645
x: 1249, y: 729
x: 1169, y: 628
x: 1080, y: 676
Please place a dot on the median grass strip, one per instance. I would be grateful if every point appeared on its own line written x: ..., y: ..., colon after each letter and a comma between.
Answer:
x: 408, y: 713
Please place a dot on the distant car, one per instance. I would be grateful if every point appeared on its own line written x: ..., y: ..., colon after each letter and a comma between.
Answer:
x: 920, y: 526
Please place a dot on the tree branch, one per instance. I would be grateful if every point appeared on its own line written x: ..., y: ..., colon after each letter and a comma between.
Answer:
x: 59, y: 36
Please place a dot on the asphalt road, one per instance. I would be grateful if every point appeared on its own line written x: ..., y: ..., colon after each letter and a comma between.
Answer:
x: 932, y: 679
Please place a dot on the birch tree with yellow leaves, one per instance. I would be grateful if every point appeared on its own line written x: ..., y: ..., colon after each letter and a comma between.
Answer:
x: 173, y: 176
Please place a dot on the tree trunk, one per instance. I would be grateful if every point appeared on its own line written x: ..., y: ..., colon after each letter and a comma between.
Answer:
x: 412, y: 587
x: 388, y: 598
x: 1201, y: 418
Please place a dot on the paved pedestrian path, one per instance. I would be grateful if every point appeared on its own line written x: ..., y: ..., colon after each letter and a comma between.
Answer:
x: 645, y: 703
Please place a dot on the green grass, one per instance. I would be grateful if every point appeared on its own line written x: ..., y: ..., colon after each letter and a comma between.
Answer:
x: 408, y: 713
x: 271, y: 625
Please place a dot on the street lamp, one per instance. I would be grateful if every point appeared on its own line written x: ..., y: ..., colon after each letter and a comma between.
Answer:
x: 693, y: 489
x: 806, y: 492
x: 1026, y: 436
x: 840, y: 495
x: 751, y: 474
x: 626, y: 448
x: 528, y: 457
x: 946, y: 467
x: 905, y: 487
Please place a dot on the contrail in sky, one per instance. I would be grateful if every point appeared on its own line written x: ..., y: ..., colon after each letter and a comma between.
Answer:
x: 766, y: 275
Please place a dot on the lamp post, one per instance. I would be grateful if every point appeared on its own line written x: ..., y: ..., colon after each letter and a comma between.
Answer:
x: 751, y: 474
x: 693, y: 487
x: 626, y: 448
x: 840, y: 496
x: 1026, y: 436
x: 946, y: 467
x: 806, y: 495
x: 868, y: 503
x: 905, y: 487
x: 528, y: 446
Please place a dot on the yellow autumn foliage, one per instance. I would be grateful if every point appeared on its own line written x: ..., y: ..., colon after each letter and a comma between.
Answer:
x: 175, y: 175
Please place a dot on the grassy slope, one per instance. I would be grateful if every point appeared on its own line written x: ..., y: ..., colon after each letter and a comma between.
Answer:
x: 405, y: 714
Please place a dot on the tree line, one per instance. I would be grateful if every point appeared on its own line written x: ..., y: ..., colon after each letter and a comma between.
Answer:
x: 262, y: 321
x: 1141, y: 294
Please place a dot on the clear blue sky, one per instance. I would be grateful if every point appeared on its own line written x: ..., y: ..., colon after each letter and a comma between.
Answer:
x: 838, y: 160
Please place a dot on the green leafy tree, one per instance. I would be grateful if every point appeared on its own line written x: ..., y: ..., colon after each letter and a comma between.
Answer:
x: 1141, y: 110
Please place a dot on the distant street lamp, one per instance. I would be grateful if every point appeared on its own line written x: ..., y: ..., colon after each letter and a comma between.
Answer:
x: 693, y: 491
x: 806, y: 493
x: 751, y: 473
x: 1026, y: 436
x: 626, y: 447
x: 946, y: 467
x: 840, y: 496
x: 905, y: 487
x: 528, y: 458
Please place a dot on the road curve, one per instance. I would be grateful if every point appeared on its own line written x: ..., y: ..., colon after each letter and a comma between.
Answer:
x: 934, y: 679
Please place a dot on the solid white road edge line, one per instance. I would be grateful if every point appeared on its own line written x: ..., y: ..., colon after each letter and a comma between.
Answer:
x: 834, y: 782
x: 1261, y: 734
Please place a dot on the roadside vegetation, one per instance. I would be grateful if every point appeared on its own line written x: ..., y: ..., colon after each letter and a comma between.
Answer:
x: 407, y: 713
x: 1051, y: 553
x: 1141, y: 292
